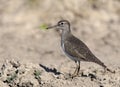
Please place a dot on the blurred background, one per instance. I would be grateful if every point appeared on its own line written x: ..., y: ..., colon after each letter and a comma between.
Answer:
x: 96, y: 22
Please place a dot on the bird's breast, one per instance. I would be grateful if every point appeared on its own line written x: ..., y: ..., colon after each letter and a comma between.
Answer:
x: 66, y: 53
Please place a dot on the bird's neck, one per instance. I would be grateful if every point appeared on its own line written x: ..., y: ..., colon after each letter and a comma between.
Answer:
x: 65, y: 34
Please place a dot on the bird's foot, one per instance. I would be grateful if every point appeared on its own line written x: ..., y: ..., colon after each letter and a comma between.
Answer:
x: 70, y: 76
x: 75, y: 74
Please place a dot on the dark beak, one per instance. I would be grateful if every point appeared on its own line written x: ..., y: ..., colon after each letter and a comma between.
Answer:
x: 55, y: 26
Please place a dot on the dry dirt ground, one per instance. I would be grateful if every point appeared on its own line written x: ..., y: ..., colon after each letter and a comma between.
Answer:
x: 32, y: 57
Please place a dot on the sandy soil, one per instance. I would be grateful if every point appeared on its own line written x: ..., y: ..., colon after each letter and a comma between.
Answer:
x: 31, y: 57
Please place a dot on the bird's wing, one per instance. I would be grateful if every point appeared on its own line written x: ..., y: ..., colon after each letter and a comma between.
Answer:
x: 77, y: 48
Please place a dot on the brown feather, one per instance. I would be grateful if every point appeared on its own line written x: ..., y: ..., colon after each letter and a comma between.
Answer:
x: 77, y: 49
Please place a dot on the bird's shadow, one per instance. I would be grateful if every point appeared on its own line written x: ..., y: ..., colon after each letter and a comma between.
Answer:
x: 47, y: 69
x: 92, y: 76
x: 55, y: 72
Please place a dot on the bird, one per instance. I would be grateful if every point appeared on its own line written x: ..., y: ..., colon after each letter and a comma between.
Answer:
x: 74, y: 48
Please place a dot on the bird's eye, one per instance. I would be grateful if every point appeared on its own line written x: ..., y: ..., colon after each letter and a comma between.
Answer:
x: 61, y: 23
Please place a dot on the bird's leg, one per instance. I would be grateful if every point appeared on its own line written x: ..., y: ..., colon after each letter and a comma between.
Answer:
x: 76, y: 72
x: 78, y: 67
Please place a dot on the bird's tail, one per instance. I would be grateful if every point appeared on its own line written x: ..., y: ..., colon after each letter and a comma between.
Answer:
x: 103, y: 65
x: 107, y: 68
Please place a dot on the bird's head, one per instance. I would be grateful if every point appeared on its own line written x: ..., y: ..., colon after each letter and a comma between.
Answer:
x: 62, y: 25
